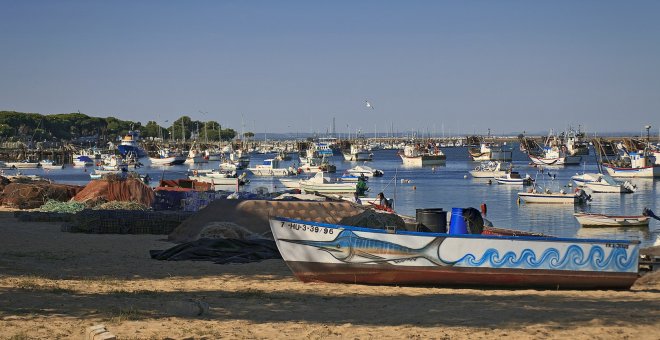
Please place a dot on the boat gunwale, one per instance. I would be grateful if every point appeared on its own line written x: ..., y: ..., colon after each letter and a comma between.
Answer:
x: 430, y: 234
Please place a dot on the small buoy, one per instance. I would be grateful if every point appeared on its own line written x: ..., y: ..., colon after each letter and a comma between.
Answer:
x: 570, y: 184
x: 433, y: 169
x: 465, y: 176
x: 414, y: 187
x: 490, y: 182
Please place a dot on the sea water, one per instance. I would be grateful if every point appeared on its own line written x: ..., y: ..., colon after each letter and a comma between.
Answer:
x: 446, y: 187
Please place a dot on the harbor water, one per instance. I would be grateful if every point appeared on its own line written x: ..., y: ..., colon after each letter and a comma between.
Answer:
x: 449, y: 186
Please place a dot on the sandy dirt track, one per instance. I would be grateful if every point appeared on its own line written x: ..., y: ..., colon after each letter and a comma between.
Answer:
x: 55, y: 284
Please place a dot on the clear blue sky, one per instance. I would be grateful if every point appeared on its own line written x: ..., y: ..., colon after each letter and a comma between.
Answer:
x: 284, y: 66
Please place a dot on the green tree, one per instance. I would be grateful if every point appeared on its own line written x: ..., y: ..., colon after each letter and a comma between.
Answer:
x: 182, y: 128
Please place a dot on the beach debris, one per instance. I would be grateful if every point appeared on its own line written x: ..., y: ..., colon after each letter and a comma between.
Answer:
x: 121, y: 205
x: 98, y: 332
x: 217, y: 230
x: 190, y: 307
x: 373, y: 219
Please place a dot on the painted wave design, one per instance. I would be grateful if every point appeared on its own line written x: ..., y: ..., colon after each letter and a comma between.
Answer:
x: 573, y: 259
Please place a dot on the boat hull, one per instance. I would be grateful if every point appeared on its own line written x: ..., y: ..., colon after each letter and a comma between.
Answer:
x: 567, y: 160
x: 424, y: 160
x: 342, y: 254
x: 358, y: 157
x: 645, y: 172
x: 548, y: 198
x: 176, y: 160
x: 23, y: 165
x: 487, y: 174
x: 607, y: 188
x: 327, y: 188
x: 599, y: 220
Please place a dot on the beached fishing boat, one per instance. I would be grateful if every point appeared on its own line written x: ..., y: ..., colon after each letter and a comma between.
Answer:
x: 346, y: 254
x: 321, y: 184
x: 416, y: 156
x: 601, y: 220
x: 549, y: 197
x: 514, y: 178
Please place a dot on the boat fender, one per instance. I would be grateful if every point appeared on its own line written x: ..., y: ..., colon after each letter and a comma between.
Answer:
x: 195, y: 172
x: 518, y: 201
x: 414, y: 187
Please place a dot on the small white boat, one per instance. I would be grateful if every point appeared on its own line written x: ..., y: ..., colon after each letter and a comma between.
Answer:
x: 549, y: 197
x: 489, y: 170
x: 23, y: 165
x: 50, y: 165
x: 352, y: 178
x: 166, y: 158
x: 607, y: 184
x: 514, y: 178
x: 320, y: 183
x: 271, y: 167
x: 582, y: 179
x: 602, y: 220
x: 365, y: 170
x: 219, y: 182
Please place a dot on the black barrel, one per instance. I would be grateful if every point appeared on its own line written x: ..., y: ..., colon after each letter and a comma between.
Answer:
x: 432, y: 219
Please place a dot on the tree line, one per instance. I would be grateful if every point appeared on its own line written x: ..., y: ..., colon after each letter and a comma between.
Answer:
x: 78, y: 126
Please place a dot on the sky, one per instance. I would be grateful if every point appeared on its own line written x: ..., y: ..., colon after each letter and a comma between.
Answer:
x: 291, y: 66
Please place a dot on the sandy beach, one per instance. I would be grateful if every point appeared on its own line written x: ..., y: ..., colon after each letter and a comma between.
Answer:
x: 55, y: 284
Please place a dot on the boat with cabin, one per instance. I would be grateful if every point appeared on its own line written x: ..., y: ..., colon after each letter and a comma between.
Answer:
x: 514, y: 178
x: 416, y: 155
x: 271, y: 167
x: 130, y: 144
x: 357, y: 153
x: 166, y: 157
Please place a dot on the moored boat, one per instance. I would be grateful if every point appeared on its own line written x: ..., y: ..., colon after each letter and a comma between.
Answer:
x: 271, y: 167
x: 489, y: 170
x: 23, y: 165
x: 346, y: 254
x: 321, y: 184
x: 606, y: 184
x: 549, y: 197
x: 414, y: 155
x: 513, y: 177
x: 602, y: 220
x: 365, y: 170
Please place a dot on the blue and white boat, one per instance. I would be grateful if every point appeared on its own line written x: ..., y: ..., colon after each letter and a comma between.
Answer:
x: 514, y: 178
x: 347, y: 254
x: 129, y: 145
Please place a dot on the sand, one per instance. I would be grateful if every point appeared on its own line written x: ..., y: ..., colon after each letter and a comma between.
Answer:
x: 54, y: 285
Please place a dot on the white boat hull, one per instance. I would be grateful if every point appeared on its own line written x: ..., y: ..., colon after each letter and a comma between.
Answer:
x: 567, y: 160
x: 599, y: 220
x: 290, y: 183
x: 606, y: 188
x: 224, y: 181
x: 23, y: 165
x: 646, y: 172
x: 270, y: 172
x: 555, y: 198
x: 327, y: 188
x: 486, y: 173
x: 167, y: 161
x: 424, y: 160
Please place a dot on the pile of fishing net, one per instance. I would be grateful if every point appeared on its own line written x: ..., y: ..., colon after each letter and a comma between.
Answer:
x: 35, y: 194
x: 373, y: 219
x: 121, y: 205
x: 70, y: 207
x: 117, y: 189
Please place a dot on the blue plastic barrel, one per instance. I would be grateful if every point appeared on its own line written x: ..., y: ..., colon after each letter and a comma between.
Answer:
x: 457, y: 223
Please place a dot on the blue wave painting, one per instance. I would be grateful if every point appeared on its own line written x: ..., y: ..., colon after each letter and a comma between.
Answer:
x: 573, y: 259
